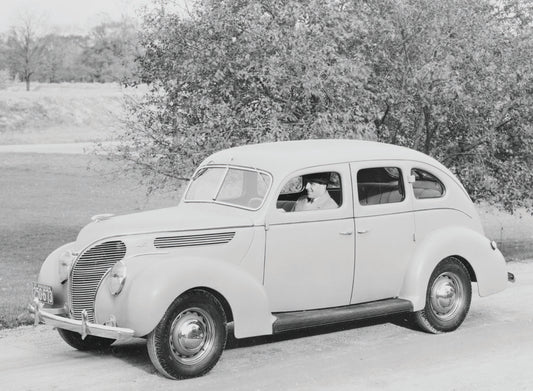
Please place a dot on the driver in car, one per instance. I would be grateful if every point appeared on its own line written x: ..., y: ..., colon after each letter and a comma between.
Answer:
x: 317, y: 196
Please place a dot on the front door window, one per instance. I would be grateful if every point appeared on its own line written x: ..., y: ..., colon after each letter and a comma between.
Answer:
x: 313, y: 191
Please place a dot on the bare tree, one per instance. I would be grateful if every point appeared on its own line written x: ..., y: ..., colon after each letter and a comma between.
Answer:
x: 25, y: 47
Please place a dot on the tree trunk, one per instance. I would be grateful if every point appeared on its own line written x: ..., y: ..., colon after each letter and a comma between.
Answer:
x: 429, y: 131
x: 27, y: 83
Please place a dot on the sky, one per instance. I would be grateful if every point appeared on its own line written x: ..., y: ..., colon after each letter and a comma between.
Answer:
x: 69, y: 16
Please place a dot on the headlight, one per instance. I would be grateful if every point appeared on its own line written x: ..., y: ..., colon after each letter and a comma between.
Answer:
x: 117, y: 278
x: 64, y: 264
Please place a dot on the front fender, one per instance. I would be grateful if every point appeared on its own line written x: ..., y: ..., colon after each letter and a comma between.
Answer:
x: 49, y: 274
x: 488, y: 264
x: 154, y: 281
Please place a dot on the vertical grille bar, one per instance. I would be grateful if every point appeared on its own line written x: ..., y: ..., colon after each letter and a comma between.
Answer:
x: 87, y: 273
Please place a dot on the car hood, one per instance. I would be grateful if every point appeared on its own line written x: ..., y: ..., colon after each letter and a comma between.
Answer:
x: 185, y: 217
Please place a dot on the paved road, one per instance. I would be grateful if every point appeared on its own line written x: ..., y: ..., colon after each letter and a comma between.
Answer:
x: 493, y: 350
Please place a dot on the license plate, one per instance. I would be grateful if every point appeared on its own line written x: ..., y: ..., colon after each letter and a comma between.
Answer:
x: 43, y: 293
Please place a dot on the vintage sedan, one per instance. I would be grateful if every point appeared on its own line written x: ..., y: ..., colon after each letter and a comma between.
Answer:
x: 274, y: 237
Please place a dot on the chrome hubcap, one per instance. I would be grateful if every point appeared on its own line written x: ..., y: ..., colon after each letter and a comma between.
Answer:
x: 191, y: 336
x: 447, y: 296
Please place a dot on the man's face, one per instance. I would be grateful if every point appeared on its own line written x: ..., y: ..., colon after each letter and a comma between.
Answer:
x: 315, y: 190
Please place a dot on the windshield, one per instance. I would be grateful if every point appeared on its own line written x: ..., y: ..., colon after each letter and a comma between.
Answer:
x: 242, y: 187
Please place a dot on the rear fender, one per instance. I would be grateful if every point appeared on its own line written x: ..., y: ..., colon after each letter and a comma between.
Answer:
x: 487, y: 263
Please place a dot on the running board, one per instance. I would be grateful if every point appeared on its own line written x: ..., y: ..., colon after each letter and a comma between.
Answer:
x: 300, y: 319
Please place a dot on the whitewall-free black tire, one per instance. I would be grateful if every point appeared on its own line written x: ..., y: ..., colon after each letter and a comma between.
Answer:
x: 190, y: 338
x: 448, y: 298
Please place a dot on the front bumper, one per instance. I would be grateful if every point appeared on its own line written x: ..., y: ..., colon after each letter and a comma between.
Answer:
x: 83, y: 327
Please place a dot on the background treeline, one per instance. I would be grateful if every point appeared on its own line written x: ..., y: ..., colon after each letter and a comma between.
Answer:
x: 451, y: 78
x: 105, y: 54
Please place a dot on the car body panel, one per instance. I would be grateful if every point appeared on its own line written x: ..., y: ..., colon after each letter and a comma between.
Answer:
x: 383, y: 250
x: 48, y: 274
x: 185, y: 217
x: 310, y: 265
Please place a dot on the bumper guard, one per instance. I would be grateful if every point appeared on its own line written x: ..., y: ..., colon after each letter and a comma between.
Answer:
x: 83, y: 327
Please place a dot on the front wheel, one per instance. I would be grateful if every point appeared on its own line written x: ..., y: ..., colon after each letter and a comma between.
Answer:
x: 190, y: 338
x: 448, y: 298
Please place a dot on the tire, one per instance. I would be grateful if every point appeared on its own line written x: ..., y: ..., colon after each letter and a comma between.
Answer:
x: 448, y: 298
x: 89, y: 343
x: 190, y: 338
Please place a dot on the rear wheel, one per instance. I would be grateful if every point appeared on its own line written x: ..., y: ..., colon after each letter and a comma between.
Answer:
x: 448, y: 298
x: 190, y: 338
x: 89, y: 343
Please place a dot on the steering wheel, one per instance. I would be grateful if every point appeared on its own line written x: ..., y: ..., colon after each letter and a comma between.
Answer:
x: 254, y: 202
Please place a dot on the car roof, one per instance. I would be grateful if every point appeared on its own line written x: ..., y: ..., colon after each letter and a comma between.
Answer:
x: 287, y: 156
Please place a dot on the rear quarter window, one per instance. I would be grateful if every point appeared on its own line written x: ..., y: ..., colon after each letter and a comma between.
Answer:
x: 426, y: 185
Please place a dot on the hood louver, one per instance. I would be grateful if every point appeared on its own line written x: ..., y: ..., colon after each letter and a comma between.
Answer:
x: 193, y: 240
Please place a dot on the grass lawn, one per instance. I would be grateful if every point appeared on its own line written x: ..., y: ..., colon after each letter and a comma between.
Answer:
x: 45, y: 199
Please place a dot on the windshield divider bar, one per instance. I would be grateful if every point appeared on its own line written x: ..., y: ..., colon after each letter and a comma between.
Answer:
x: 221, y: 183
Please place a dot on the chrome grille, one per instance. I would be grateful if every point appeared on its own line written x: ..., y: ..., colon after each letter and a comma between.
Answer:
x: 87, y: 273
x: 193, y: 240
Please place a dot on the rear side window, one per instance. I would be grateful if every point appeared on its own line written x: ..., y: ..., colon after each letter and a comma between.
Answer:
x: 380, y: 185
x: 426, y: 185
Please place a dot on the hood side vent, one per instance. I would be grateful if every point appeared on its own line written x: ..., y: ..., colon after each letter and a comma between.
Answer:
x: 193, y: 240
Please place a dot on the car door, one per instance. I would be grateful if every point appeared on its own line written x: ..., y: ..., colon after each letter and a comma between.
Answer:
x: 385, y: 228
x: 309, y: 257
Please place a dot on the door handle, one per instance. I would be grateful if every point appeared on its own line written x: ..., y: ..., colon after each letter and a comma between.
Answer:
x: 362, y: 231
x: 346, y: 233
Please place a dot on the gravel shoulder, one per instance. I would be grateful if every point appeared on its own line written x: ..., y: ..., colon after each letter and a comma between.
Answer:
x: 492, y: 350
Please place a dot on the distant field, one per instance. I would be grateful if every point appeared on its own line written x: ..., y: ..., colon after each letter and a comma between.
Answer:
x: 58, y: 113
x: 45, y: 200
